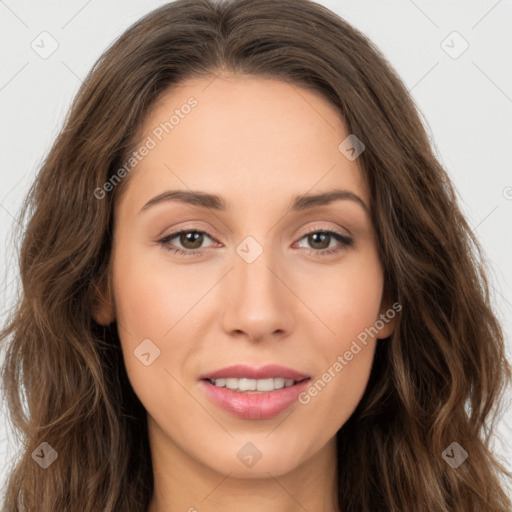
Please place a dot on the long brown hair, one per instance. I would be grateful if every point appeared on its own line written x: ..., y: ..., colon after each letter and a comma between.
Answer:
x: 437, y: 380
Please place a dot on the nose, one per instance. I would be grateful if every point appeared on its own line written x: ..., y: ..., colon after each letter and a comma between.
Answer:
x: 259, y: 304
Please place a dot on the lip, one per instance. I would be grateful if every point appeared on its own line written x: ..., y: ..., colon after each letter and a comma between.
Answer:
x: 269, y: 371
x: 254, y: 406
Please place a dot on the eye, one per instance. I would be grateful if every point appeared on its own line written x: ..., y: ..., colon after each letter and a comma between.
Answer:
x: 319, y: 239
x: 190, y: 239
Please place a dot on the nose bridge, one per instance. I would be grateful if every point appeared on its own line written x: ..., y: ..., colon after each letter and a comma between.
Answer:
x: 259, y: 302
x: 255, y: 271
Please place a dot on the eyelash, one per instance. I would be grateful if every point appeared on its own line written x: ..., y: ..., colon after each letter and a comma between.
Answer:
x: 343, y: 239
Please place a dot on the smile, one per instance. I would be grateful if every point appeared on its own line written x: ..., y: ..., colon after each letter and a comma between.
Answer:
x: 244, y: 385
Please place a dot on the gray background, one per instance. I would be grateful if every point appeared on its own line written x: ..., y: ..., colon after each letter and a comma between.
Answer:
x: 466, y: 103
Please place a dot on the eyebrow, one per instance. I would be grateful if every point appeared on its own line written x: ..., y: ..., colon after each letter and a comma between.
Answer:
x: 215, y: 202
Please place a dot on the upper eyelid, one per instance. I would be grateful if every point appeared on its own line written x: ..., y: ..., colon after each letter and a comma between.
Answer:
x: 312, y: 229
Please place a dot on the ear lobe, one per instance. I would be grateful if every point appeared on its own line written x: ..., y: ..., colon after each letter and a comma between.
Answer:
x: 388, y: 329
x: 386, y: 321
x: 102, y: 306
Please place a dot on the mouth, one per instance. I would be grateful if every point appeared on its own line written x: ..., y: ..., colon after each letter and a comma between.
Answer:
x: 254, y: 393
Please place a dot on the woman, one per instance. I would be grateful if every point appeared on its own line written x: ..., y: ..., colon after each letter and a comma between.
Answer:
x: 247, y: 283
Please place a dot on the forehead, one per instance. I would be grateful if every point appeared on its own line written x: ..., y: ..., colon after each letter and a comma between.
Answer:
x: 241, y: 137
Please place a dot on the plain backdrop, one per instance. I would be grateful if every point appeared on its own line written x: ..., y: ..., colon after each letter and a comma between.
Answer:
x: 454, y: 57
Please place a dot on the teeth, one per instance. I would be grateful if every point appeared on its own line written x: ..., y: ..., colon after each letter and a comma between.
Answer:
x: 261, y: 385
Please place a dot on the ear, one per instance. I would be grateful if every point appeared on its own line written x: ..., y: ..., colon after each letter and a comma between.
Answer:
x: 102, y: 306
x: 386, y: 320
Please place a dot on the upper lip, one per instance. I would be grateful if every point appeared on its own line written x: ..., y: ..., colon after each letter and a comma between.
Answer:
x: 268, y: 371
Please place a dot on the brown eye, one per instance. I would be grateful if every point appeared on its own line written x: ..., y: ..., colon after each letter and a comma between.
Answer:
x: 189, y: 241
x: 320, y: 240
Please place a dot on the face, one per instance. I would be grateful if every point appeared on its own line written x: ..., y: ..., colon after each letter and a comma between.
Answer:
x: 252, y: 277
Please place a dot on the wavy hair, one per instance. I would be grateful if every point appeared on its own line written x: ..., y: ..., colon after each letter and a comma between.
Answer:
x: 438, y: 379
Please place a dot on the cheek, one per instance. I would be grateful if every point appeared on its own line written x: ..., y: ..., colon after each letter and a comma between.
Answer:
x: 147, y: 306
x: 149, y: 299
x: 348, y: 298
x: 158, y: 303
x: 348, y: 305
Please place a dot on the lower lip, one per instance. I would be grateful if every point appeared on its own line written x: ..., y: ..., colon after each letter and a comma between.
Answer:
x: 254, y: 406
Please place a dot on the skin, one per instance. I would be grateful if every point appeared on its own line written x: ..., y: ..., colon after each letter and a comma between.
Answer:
x: 258, y: 143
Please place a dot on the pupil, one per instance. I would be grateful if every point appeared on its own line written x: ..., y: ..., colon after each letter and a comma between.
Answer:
x: 323, y: 236
x: 189, y: 238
